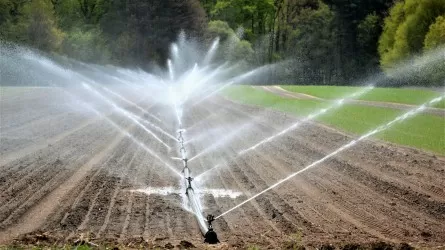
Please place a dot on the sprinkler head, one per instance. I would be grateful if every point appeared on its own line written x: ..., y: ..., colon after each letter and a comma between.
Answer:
x: 190, y: 179
x: 210, y: 219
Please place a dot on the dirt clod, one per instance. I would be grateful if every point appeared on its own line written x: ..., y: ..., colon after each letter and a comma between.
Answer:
x: 426, y: 234
x: 185, y: 245
x: 351, y: 247
x: 405, y: 246
x: 381, y: 246
x: 327, y: 247
x: 169, y: 246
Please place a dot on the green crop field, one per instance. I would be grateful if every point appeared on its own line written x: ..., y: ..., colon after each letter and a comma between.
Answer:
x: 423, y: 131
x: 397, y: 95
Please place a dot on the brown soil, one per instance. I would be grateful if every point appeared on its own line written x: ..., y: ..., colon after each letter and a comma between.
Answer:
x: 70, y: 178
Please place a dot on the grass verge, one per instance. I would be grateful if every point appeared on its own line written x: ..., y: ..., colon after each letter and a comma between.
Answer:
x: 397, y: 95
x: 423, y: 131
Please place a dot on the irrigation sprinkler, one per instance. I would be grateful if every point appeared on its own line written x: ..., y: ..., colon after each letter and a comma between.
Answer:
x: 205, y: 226
x: 211, y: 237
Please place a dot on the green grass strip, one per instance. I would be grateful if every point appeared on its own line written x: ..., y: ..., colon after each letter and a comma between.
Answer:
x: 423, y: 131
x: 397, y: 95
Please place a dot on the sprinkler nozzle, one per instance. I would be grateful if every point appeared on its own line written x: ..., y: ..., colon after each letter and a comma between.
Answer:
x: 210, y: 219
x: 190, y: 179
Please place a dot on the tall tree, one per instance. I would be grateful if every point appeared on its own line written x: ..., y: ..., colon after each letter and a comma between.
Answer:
x: 414, y: 27
x: 310, y: 43
x: 436, y: 34
x: 42, y: 29
x: 253, y: 15
x: 144, y: 30
x: 406, y: 28
x: 13, y: 20
x: 356, y: 48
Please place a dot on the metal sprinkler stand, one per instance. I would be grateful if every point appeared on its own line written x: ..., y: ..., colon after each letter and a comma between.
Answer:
x: 211, y: 237
x: 205, y: 226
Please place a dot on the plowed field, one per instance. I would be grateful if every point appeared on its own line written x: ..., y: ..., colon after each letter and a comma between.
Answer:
x: 67, y: 174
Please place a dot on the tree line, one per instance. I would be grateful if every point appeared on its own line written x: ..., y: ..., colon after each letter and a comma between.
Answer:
x: 331, y: 41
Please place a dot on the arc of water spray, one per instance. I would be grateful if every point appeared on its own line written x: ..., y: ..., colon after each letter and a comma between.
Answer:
x: 61, y: 71
x: 126, y: 133
x: 125, y: 113
x: 219, y: 70
x: 131, y: 103
x: 226, y: 139
x: 153, y: 126
x: 201, y: 175
x: 211, y: 51
x: 132, y: 86
x: 231, y: 82
x: 187, y: 78
x: 381, y: 128
x: 170, y: 70
x: 178, y: 111
x: 197, y: 124
x: 139, y: 143
x: 310, y: 117
x: 294, y: 126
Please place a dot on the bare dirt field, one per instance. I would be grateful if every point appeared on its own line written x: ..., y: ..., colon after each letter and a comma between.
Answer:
x: 67, y: 174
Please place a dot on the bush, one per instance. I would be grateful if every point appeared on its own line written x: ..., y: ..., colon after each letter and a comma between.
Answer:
x: 88, y: 46
x: 413, y: 27
x: 436, y: 34
x: 242, y: 52
x: 42, y: 31
x: 219, y: 29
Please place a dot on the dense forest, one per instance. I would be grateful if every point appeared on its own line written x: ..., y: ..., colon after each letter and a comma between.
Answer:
x: 333, y: 41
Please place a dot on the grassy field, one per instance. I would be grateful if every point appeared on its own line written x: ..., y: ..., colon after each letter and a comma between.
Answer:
x: 398, y: 95
x: 423, y: 131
